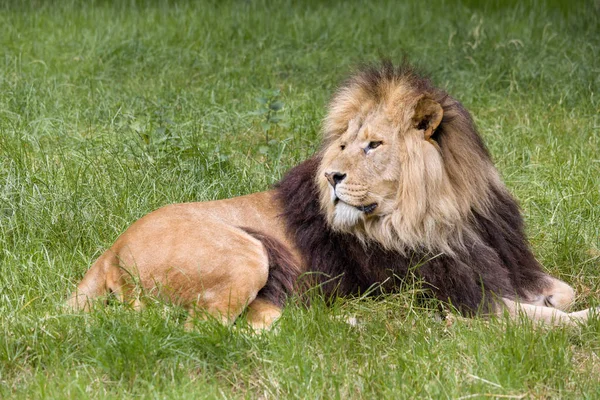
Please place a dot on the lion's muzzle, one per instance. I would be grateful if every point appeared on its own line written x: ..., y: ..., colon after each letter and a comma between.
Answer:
x: 350, y: 194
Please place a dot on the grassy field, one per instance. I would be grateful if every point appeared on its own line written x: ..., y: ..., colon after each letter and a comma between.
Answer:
x: 108, y: 111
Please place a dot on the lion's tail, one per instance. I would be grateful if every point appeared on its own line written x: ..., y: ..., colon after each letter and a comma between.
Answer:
x: 283, y: 269
x: 94, y: 283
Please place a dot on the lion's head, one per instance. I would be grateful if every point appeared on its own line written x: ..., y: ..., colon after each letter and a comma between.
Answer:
x: 402, y: 163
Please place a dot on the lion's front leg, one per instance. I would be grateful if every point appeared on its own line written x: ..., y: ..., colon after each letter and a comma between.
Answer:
x: 548, y: 306
x: 542, y: 314
x: 558, y: 295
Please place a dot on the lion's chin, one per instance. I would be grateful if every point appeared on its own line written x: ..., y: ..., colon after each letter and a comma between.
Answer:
x: 345, y: 216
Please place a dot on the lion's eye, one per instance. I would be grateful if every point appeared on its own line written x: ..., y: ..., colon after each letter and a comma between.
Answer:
x: 374, y: 145
x: 343, y: 146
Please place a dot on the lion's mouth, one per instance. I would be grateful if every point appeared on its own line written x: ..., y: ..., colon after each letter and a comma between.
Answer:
x: 367, y: 209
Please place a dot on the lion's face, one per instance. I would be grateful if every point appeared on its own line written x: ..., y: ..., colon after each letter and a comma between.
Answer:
x: 384, y: 176
x: 360, y: 171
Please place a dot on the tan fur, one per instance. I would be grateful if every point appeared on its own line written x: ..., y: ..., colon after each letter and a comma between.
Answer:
x: 196, y: 254
x: 193, y: 254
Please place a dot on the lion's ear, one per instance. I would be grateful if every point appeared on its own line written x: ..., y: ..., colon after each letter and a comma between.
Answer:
x: 428, y: 115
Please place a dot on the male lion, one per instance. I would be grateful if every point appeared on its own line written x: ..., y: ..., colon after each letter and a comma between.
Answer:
x: 403, y: 184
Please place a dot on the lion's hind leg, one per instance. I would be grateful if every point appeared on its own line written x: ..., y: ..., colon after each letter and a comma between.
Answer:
x: 264, y: 300
x: 283, y: 272
x: 224, y: 304
x: 262, y: 314
x: 231, y: 280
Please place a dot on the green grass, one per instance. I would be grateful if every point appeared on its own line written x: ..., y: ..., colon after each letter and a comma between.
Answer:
x: 108, y: 111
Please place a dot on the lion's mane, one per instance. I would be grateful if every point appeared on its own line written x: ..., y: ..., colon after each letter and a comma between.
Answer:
x: 468, y: 257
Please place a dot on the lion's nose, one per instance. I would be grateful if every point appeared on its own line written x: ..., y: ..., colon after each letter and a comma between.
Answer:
x: 334, y: 177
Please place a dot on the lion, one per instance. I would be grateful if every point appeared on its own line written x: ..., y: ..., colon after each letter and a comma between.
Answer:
x: 402, y: 185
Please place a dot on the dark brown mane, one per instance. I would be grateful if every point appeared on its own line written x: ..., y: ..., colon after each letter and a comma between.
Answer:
x: 491, y: 260
x: 374, y: 77
x: 499, y: 263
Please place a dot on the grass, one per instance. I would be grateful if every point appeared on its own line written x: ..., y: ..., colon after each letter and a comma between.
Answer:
x: 108, y: 111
